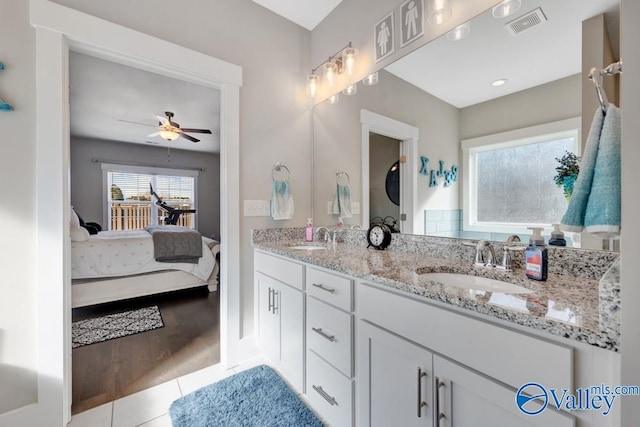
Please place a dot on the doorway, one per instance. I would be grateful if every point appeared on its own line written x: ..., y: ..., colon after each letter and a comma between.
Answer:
x: 384, y: 180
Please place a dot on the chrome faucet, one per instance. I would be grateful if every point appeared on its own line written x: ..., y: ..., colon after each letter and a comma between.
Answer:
x: 485, y: 255
x: 506, y: 260
x: 327, y: 233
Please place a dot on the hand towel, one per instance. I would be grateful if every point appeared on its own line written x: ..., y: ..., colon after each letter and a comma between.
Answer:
x: 602, y: 216
x: 573, y: 219
x: 342, y: 201
x: 281, y: 200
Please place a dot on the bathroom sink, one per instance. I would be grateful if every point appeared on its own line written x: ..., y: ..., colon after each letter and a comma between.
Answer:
x: 308, y: 247
x: 465, y: 281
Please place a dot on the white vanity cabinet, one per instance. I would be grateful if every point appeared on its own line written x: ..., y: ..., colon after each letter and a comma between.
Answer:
x: 280, y: 312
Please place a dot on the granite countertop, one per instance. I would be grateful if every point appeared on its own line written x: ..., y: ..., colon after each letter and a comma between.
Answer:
x: 564, y: 305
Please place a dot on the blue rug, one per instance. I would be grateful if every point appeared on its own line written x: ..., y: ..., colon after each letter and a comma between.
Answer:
x: 256, y: 397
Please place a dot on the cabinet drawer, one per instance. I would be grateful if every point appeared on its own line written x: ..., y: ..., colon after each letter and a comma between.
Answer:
x: 329, y: 334
x: 286, y: 271
x: 329, y: 392
x: 328, y: 287
x: 512, y: 357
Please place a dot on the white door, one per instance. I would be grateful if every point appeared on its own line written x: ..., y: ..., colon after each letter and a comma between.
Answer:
x: 467, y: 399
x: 289, y: 308
x: 394, y: 380
x: 269, y: 321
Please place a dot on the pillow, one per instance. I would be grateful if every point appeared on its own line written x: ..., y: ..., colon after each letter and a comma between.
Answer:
x: 79, y: 234
x: 74, y: 220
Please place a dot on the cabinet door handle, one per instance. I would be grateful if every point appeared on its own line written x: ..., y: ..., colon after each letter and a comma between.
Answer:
x: 325, y: 395
x: 320, y: 332
x: 323, y: 287
x: 270, y: 299
x: 421, y: 403
x: 439, y: 415
x: 275, y: 299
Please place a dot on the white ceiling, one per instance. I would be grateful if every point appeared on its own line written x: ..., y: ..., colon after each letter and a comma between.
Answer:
x: 306, y: 13
x: 460, y: 72
x: 103, y: 92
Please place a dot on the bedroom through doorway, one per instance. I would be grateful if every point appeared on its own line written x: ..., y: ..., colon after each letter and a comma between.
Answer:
x: 142, y: 322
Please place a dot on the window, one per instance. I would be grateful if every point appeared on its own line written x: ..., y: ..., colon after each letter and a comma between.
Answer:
x: 508, y: 177
x: 129, y: 205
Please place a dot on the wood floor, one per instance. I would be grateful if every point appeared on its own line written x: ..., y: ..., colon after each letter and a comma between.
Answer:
x: 190, y: 340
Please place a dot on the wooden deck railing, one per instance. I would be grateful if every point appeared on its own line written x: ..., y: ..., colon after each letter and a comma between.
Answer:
x: 136, y: 216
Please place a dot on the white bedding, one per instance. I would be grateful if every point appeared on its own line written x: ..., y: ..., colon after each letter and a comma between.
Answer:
x: 123, y: 253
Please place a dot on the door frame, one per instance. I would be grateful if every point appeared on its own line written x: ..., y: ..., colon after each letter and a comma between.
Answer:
x: 408, y: 136
x: 58, y: 30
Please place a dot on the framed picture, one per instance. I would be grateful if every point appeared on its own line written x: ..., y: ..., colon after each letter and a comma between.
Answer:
x: 383, y: 37
x: 411, y: 21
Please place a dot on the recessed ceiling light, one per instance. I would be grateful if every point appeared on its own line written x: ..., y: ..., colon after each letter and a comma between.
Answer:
x: 506, y: 8
x: 459, y: 32
x: 499, y: 82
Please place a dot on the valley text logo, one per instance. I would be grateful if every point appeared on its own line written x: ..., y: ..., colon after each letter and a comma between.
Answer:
x: 533, y: 398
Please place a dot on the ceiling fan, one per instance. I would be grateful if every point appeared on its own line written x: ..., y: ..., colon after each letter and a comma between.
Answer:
x: 170, y: 130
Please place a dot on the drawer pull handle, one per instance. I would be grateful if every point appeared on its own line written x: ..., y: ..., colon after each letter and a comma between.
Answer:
x: 325, y: 395
x: 320, y: 332
x: 324, y: 288
x: 439, y: 415
x: 270, y: 299
x: 421, y: 403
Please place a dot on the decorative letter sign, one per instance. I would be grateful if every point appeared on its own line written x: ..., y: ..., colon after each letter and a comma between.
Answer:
x: 450, y: 176
x: 4, y: 106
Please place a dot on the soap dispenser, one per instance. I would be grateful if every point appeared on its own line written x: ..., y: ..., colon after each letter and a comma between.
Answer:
x: 557, y: 237
x: 536, y: 256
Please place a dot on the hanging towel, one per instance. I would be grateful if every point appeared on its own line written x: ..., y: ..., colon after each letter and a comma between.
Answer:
x: 281, y: 200
x: 602, y: 216
x: 573, y: 219
x: 342, y: 201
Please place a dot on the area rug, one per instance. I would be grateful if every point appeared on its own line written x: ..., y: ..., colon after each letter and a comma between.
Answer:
x: 103, y: 328
x: 256, y: 397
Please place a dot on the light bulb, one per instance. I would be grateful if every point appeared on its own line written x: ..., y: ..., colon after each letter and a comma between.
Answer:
x: 351, y: 90
x: 312, y: 85
x: 459, y: 32
x: 439, y: 11
x: 169, y: 135
x: 334, y: 99
x: 349, y: 60
x: 506, y: 8
x: 371, y: 79
x: 330, y: 70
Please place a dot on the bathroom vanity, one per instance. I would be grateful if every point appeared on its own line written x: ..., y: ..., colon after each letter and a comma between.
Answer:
x: 370, y: 339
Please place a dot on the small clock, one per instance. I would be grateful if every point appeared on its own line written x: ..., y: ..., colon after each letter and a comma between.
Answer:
x: 379, y: 236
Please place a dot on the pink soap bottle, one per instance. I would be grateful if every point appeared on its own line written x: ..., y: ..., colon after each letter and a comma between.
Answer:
x: 308, y: 233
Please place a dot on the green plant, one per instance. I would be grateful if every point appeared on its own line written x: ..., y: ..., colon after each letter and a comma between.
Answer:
x: 567, y: 173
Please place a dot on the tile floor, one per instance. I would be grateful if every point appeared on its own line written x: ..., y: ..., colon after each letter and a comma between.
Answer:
x: 149, y: 408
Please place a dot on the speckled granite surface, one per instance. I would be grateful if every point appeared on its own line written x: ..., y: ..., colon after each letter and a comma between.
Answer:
x: 571, y: 303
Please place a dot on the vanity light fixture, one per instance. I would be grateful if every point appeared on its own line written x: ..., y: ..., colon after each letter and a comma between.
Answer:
x: 506, y: 8
x: 334, y: 99
x: 351, y: 90
x: 499, y: 82
x: 439, y: 11
x: 342, y: 61
x: 371, y: 79
x: 459, y: 32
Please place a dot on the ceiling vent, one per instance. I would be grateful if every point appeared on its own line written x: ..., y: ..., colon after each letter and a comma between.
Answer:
x: 526, y: 22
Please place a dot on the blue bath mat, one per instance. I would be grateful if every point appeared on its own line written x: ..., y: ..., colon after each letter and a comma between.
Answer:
x: 256, y: 397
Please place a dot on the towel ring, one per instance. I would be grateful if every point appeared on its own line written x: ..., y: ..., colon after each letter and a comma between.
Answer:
x: 341, y: 176
x: 278, y: 167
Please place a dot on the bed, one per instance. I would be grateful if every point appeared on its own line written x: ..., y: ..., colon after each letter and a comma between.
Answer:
x: 116, y: 265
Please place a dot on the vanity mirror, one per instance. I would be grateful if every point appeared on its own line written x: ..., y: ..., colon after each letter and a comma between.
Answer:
x: 443, y: 92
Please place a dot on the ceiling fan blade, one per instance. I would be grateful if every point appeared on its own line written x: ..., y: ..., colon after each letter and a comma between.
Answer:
x: 153, y: 134
x: 163, y: 121
x: 189, y: 137
x: 196, y: 130
x: 136, y: 123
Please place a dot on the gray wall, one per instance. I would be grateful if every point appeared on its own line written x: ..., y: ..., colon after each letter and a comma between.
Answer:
x: 18, y: 310
x: 87, y: 193
x: 383, y: 153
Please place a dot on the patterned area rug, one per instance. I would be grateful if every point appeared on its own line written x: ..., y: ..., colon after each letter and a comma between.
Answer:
x: 98, y: 329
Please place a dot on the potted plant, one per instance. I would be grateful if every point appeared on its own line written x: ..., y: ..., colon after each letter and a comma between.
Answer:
x: 567, y: 173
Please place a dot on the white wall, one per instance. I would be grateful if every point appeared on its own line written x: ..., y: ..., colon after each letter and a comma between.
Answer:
x: 630, y: 294
x: 337, y: 141
x: 18, y: 352
x: 274, y: 111
x: 87, y: 193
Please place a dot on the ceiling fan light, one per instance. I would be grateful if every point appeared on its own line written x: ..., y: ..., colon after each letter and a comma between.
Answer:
x: 169, y: 135
x: 506, y: 8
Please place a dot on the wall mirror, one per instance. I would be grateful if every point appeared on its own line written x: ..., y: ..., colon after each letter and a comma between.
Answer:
x: 450, y: 91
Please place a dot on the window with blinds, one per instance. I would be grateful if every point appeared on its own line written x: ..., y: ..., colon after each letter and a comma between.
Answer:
x: 129, y: 203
